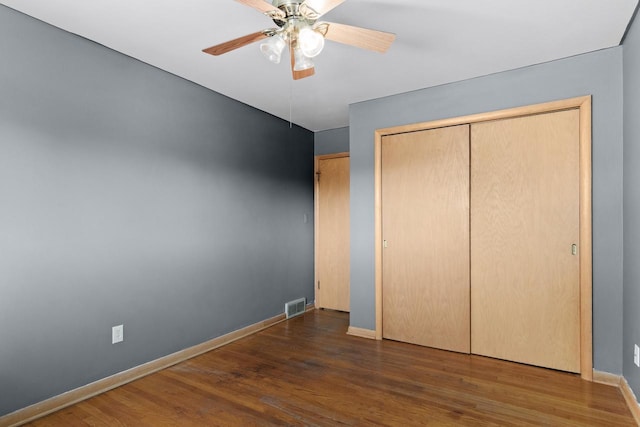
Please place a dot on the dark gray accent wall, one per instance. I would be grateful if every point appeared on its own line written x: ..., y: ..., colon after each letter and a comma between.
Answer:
x: 130, y: 196
x: 331, y: 141
x: 598, y: 74
x: 632, y: 203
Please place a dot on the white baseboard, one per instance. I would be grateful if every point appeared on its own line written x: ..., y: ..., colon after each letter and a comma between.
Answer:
x: 69, y: 398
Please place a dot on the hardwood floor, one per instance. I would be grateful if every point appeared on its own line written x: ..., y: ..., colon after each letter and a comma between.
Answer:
x: 307, y: 371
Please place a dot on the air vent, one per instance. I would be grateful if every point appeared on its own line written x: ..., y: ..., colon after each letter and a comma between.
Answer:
x: 295, y: 308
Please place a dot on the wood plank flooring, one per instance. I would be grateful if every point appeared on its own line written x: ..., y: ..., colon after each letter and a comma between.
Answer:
x: 307, y: 371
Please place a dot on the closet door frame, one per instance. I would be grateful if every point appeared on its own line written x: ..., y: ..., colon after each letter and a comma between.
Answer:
x: 583, y: 104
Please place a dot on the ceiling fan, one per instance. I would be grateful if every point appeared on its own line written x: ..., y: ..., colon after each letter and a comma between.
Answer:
x: 298, y: 27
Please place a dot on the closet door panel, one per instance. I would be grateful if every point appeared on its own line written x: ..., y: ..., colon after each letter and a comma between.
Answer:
x: 425, y: 224
x: 525, y: 299
x: 333, y: 234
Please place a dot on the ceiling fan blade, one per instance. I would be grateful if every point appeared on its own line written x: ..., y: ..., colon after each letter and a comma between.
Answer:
x: 363, y: 38
x: 297, y: 75
x: 263, y: 7
x: 234, y: 44
x: 323, y: 6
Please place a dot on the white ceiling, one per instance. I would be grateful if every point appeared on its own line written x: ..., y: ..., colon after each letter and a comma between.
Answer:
x: 438, y: 41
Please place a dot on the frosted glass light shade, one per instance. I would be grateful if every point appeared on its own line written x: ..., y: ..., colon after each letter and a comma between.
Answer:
x: 301, y: 61
x: 272, y: 48
x: 310, y: 42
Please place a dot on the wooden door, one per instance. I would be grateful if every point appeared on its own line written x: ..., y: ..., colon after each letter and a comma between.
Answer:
x: 425, y: 224
x: 332, y: 287
x: 525, y: 298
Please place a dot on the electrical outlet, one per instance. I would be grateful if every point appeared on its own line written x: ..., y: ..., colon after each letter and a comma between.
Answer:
x: 636, y: 355
x: 117, y: 334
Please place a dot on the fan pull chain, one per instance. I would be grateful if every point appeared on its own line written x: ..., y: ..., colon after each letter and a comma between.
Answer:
x: 290, y: 91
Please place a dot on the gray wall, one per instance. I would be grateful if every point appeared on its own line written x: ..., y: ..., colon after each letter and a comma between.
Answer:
x: 632, y: 203
x: 599, y: 74
x: 331, y: 141
x: 128, y: 195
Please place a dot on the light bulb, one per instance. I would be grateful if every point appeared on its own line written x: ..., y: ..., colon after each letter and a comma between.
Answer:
x: 301, y: 61
x: 310, y: 42
x: 273, y: 48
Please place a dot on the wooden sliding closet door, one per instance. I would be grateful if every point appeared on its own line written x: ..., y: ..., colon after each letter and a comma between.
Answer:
x: 525, y: 293
x: 425, y: 227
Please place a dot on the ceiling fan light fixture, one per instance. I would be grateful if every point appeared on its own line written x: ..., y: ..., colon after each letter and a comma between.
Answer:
x: 272, y: 48
x: 310, y: 42
x: 297, y: 26
x: 301, y: 61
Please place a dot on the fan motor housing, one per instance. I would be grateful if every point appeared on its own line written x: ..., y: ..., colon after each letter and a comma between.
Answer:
x: 295, y: 11
x: 291, y: 8
x: 280, y: 3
